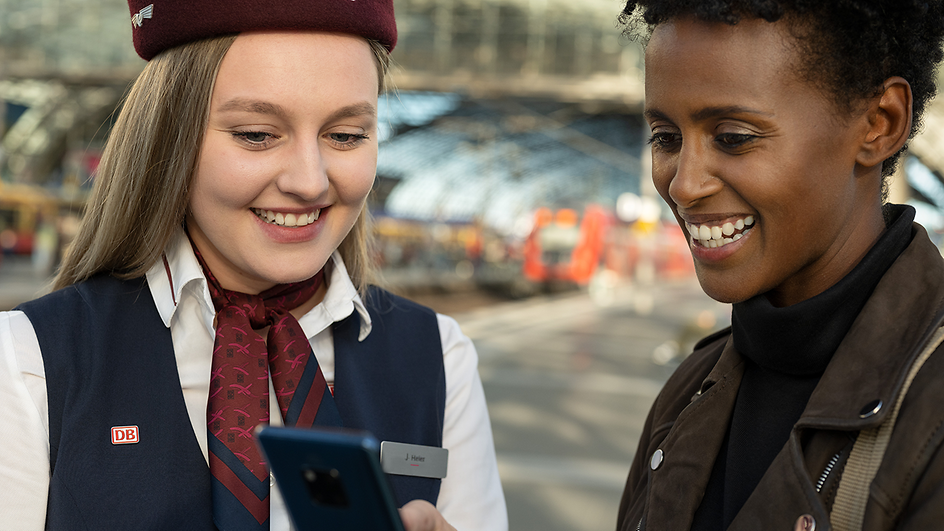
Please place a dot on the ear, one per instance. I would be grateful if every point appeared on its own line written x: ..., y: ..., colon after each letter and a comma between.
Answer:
x: 889, y: 118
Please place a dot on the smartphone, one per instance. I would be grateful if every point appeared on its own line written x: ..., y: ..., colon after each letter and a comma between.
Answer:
x: 330, y: 478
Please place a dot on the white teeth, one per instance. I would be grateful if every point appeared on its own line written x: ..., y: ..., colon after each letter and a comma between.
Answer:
x: 287, y: 220
x: 718, y: 236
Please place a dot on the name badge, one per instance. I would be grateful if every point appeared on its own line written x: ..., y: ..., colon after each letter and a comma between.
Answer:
x: 413, y: 460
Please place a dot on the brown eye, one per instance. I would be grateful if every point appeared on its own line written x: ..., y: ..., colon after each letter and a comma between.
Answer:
x: 735, y: 140
x: 664, y: 140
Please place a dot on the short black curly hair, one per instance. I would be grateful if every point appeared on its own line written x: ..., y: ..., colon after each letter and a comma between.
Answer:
x: 852, y: 46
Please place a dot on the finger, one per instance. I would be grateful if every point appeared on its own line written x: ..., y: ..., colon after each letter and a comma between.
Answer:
x: 416, y: 516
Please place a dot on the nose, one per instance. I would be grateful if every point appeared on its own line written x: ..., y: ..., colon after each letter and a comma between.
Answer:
x: 305, y: 174
x: 692, y: 178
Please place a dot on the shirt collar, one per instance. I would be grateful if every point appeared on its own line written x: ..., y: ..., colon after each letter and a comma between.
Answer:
x: 340, y: 301
x: 178, y: 275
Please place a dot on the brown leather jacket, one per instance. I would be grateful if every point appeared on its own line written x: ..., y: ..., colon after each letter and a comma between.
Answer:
x: 689, y: 419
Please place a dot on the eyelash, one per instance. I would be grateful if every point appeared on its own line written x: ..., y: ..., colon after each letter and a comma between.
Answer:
x: 662, y: 141
x: 352, y: 139
x: 358, y: 138
x: 244, y: 137
x: 667, y: 141
x: 735, y: 140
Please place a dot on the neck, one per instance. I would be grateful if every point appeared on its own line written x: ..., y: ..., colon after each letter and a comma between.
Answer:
x: 299, y: 311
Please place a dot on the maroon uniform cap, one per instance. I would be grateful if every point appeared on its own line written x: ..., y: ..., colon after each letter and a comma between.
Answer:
x: 161, y: 24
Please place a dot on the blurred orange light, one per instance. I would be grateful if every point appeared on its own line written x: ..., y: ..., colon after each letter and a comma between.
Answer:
x: 542, y: 217
x: 566, y: 217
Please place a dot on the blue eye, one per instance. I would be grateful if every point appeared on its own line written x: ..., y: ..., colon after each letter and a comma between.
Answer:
x: 347, y: 140
x: 254, y: 138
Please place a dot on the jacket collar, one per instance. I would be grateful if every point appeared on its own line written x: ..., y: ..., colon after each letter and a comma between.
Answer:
x: 871, y: 362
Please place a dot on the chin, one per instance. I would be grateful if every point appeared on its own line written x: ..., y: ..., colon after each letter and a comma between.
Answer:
x: 288, y: 276
x: 722, y: 291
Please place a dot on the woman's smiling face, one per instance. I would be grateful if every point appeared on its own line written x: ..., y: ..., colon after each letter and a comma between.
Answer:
x: 288, y: 158
x: 757, y: 164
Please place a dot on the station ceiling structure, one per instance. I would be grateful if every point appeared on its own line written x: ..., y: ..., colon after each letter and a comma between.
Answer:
x: 494, y: 161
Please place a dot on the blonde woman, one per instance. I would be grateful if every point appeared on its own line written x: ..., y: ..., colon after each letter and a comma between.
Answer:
x: 221, y: 280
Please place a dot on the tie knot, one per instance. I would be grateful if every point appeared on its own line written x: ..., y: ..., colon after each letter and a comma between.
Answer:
x: 251, y: 307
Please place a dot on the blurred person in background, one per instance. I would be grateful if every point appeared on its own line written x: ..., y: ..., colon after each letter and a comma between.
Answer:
x: 775, y: 128
x: 221, y: 277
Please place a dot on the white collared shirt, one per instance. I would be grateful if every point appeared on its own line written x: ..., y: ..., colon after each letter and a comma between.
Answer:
x: 470, y: 498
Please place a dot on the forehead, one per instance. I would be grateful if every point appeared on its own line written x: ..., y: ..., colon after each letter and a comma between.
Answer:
x: 291, y: 64
x: 701, y: 61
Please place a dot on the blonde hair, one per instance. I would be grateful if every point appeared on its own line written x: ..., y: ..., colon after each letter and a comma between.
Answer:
x: 142, y: 185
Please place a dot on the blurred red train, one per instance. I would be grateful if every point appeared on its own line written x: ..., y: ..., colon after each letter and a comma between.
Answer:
x: 568, y: 246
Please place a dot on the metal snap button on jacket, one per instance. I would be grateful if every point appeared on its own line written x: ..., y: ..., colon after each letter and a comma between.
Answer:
x: 656, y: 460
x: 805, y: 523
x: 871, y: 408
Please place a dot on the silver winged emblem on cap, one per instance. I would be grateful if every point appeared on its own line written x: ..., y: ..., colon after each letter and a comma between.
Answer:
x: 138, y: 18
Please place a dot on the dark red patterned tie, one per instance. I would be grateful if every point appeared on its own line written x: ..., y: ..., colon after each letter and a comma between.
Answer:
x: 239, y: 392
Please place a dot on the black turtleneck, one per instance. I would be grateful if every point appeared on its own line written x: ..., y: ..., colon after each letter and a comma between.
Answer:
x: 786, y: 351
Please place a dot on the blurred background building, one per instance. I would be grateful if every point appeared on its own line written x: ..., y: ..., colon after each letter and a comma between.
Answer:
x: 505, y: 113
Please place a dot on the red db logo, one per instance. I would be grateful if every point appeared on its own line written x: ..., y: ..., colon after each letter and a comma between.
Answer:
x: 124, y: 434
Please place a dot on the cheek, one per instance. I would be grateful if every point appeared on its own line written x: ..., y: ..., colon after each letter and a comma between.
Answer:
x: 662, y: 173
x: 213, y: 189
x: 226, y: 179
x: 355, y: 179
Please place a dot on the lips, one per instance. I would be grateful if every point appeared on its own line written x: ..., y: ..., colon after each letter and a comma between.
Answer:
x: 288, y: 219
x: 713, y: 236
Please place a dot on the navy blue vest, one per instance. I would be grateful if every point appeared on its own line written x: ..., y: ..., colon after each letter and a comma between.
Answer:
x: 109, y: 361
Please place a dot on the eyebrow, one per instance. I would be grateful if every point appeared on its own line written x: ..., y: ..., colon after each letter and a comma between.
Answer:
x: 265, y: 107
x: 352, y: 111
x: 253, y: 106
x: 710, y: 112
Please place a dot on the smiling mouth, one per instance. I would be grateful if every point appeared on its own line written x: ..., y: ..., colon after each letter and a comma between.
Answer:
x: 286, y: 220
x: 720, y: 235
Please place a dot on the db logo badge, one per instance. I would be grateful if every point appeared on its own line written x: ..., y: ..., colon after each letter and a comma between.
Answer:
x: 124, y: 434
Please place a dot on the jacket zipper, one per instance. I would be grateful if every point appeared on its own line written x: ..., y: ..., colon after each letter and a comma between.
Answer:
x: 826, y: 472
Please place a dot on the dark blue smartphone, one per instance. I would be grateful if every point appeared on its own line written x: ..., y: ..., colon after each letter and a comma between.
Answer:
x: 331, y: 478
